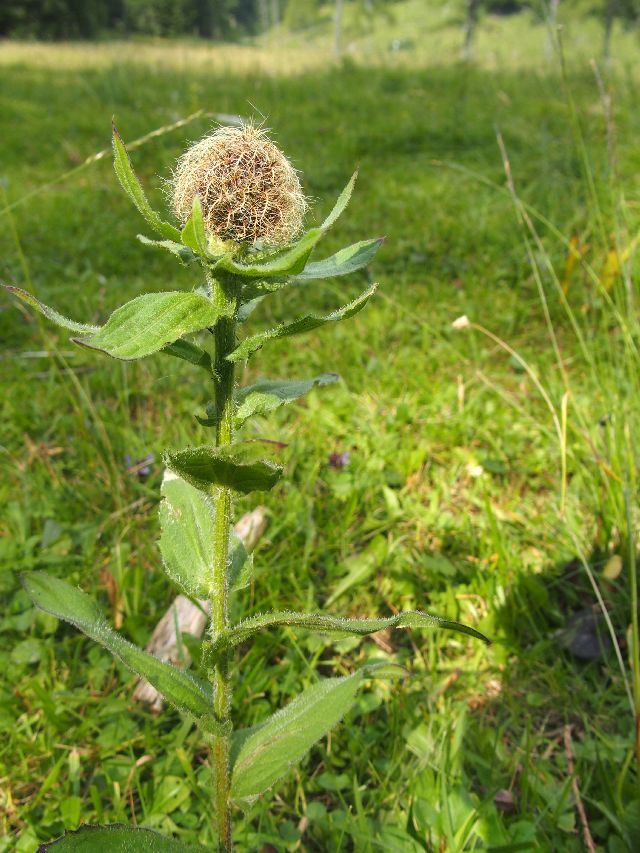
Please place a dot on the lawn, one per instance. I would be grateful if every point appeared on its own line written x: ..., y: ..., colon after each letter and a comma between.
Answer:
x: 487, y: 479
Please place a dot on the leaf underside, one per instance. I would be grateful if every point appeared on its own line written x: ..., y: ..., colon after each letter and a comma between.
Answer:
x: 117, y: 838
x: 335, y: 625
x: 345, y: 261
x: 189, y: 352
x: 69, y: 603
x: 235, y: 466
x: 266, y: 395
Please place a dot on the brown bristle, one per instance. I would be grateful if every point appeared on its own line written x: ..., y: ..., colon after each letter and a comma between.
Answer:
x: 248, y: 189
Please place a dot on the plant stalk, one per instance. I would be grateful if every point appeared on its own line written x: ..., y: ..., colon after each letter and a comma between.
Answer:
x: 223, y: 377
x: 635, y: 628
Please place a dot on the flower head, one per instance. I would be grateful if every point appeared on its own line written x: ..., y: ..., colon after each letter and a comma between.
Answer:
x: 248, y: 189
x: 462, y: 322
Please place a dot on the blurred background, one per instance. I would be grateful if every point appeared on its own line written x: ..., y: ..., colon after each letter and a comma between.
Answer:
x: 487, y: 472
x: 394, y: 25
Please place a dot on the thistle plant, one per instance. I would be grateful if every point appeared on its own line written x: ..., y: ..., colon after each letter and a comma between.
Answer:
x: 241, y: 208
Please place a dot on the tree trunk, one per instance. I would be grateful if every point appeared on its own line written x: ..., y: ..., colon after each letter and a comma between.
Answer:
x: 611, y: 8
x: 337, y: 22
x: 552, y: 21
x: 275, y: 13
x: 204, y: 19
x: 469, y: 27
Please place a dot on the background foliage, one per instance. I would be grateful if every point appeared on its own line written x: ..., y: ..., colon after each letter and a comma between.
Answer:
x: 86, y: 19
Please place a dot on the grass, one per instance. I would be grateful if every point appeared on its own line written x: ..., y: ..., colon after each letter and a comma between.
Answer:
x: 451, y: 497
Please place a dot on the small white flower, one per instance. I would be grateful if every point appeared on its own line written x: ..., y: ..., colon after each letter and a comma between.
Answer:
x: 462, y: 322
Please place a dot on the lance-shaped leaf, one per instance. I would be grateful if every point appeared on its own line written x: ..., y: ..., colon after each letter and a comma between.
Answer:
x: 187, y: 521
x: 305, y: 324
x: 67, y: 602
x: 131, y: 185
x: 193, y: 234
x: 184, y: 254
x: 335, y: 625
x: 117, y: 838
x: 264, y: 753
x: 180, y: 349
x: 149, y: 322
x: 341, y: 204
x: 292, y: 259
x: 268, y: 394
x: 50, y: 313
x: 236, y: 466
x: 345, y: 261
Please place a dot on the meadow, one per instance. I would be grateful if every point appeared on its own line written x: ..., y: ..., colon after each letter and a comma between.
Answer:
x: 486, y: 473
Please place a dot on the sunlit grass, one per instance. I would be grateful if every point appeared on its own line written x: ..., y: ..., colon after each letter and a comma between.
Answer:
x: 451, y: 498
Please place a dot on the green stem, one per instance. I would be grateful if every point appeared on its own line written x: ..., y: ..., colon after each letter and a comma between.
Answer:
x: 224, y: 334
x: 635, y: 629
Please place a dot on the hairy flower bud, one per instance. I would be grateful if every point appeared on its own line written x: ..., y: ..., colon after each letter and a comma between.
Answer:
x: 248, y: 189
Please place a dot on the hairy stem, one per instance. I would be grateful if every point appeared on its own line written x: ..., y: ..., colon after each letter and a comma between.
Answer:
x: 224, y: 334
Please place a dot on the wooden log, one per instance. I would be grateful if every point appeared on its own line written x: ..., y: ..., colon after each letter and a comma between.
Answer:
x: 190, y: 617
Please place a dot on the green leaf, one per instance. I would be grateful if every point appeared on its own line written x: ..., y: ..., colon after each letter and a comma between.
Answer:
x: 334, y: 625
x: 268, y: 394
x: 264, y: 753
x: 236, y: 467
x: 183, y: 253
x: 290, y: 260
x: 193, y: 234
x: 187, y: 524
x: 131, y: 185
x: 49, y: 313
x: 240, y: 564
x: 341, y: 203
x: 211, y: 419
x: 305, y: 324
x: 345, y: 261
x: 189, y: 352
x: 117, y: 838
x: 67, y: 602
x: 283, y: 262
x: 149, y: 322
x: 246, y: 309
x: 187, y: 521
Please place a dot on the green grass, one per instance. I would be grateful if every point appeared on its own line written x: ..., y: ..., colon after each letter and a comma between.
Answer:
x: 450, y: 500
